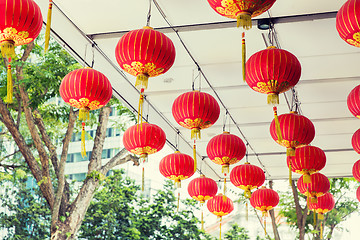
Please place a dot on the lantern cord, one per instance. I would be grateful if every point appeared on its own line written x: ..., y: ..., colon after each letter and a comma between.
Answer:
x: 143, y: 179
x: 148, y: 15
x: 243, y: 56
x: 277, y: 125
x: 141, y: 106
x: 290, y: 171
x: 321, y: 230
x: 247, y: 211
x: 194, y: 152
x: 48, y: 27
x: 220, y: 226
x: 178, y: 202
x: 202, y: 219
x: 83, y: 150
x: 225, y: 185
x: 314, y: 214
x: 10, y: 88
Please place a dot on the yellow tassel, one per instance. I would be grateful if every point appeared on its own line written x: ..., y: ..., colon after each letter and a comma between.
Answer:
x: 225, y: 168
x: 320, y: 216
x: 225, y: 187
x: 306, y: 178
x: 202, y: 220
x: 178, y: 202
x: 290, y: 152
x: 83, y: 150
x: 195, y: 160
x: 314, y: 199
x: 143, y: 179
x: 247, y: 211
x: 140, y: 109
x: 8, y: 49
x: 264, y: 215
x: 244, y: 20
x: 243, y: 56
x: 84, y: 114
x: 314, y: 214
x: 273, y: 99
x: 220, y: 226
x: 277, y: 125
x: 195, y: 133
x: 290, y: 173
x: 142, y: 81
x: 247, y: 193
x: 321, y: 230
x: 48, y: 27
x: 10, y: 88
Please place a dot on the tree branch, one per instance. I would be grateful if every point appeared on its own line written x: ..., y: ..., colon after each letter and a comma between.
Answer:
x: 117, y: 160
x: 272, y: 215
x: 301, y: 213
x: 60, y: 170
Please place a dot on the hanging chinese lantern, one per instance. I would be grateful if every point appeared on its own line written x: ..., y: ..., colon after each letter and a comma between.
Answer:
x: 355, y: 141
x: 264, y: 199
x: 358, y: 193
x: 20, y: 24
x: 145, y: 53
x: 144, y: 140
x: 195, y: 110
x: 353, y: 101
x: 318, y: 186
x: 242, y: 10
x: 220, y: 206
x: 272, y: 71
x: 356, y: 171
x: 177, y: 166
x: 307, y: 160
x: 295, y: 131
x: 85, y: 89
x: 247, y: 177
x: 202, y: 189
x: 226, y: 149
x: 325, y: 204
x: 348, y: 22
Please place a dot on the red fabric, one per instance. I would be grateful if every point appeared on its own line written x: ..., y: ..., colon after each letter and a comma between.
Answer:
x: 264, y: 199
x: 355, y: 141
x: 220, y: 205
x: 144, y: 138
x: 145, y: 51
x: 247, y: 176
x: 195, y: 110
x: 20, y: 21
x: 358, y: 193
x: 308, y: 159
x: 325, y: 204
x: 348, y: 22
x: 356, y: 170
x: 272, y: 71
x: 177, y: 166
x: 231, y: 9
x: 226, y: 149
x: 296, y: 130
x: 318, y: 186
x: 353, y: 101
x: 202, y: 188
x: 86, y: 88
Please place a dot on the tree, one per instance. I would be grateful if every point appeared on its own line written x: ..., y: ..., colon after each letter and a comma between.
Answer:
x: 36, y: 82
x: 237, y: 233
x: 299, y: 219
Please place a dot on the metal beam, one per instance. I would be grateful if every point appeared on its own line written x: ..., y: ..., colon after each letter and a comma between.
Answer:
x: 219, y: 25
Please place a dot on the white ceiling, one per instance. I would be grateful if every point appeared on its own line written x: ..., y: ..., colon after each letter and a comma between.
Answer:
x: 330, y: 69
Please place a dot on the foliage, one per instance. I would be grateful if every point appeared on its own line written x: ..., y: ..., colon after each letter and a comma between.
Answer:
x: 237, y: 233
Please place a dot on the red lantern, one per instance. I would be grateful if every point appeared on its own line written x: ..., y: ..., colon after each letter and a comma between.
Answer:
x: 242, y: 10
x: 85, y: 89
x: 358, y: 194
x: 355, y: 141
x: 272, y: 71
x: 325, y: 204
x: 20, y: 24
x: 247, y: 177
x: 348, y: 22
x: 225, y: 149
x: 220, y: 206
x: 296, y: 131
x: 353, y: 101
x: 356, y: 171
x: 318, y: 186
x: 195, y: 110
x: 307, y: 160
x: 177, y: 166
x: 202, y: 188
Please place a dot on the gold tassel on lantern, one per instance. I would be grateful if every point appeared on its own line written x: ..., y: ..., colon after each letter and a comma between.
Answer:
x: 243, y: 56
x: 195, y: 133
x: 202, y: 219
x: 48, y: 27
x: 194, y: 152
x: 273, y: 99
x: 83, y: 150
x: 314, y: 214
x: 220, y: 226
x: 84, y: 114
x: 290, y: 152
x: 178, y: 202
x: 8, y: 51
x: 290, y: 173
x: 307, y: 178
x: 225, y: 168
x: 314, y: 199
x: 142, y: 81
x: 141, y: 106
x: 264, y: 215
x: 244, y: 20
x: 9, y: 96
x: 143, y: 157
x: 277, y: 125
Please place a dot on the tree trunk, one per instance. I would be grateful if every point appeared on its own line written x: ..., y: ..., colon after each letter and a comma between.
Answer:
x: 273, y: 219
x: 301, y: 213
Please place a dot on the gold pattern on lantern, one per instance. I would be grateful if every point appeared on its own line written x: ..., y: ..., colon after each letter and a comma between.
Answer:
x: 85, y: 102
x: 202, y: 198
x: 271, y: 87
x: 225, y: 160
x: 289, y: 144
x: 136, y: 68
x: 141, y: 150
x: 177, y: 177
x: 197, y: 123
x: 20, y: 38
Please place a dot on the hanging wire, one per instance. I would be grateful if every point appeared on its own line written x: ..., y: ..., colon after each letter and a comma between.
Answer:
x: 93, y: 55
x: 247, y: 153
x: 177, y: 140
x: 85, y: 53
x: 147, y: 109
x: 199, y: 75
x: 224, y: 121
x: 148, y: 15
x: 194, y: 79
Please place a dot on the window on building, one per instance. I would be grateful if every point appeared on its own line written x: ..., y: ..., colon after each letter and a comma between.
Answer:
x: 109, y: 132
x: 117, y: 132
x: 77, y: 176
x: 70, y: 158
x: 106, y: 153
